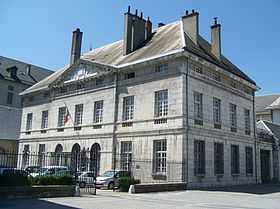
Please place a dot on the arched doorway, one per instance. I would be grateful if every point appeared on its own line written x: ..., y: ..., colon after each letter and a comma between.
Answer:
x: 84, y: 160
x: 58, y: 155
x: 75, y: 157
x: 95, y: 158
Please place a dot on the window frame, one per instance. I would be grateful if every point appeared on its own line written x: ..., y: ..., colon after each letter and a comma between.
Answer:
x: 198, y: 108
x: 161, y: 103
x: 235, y: 159
x: 249, y: 160
x: 126, y: 155
x: 199, y: 158
x: 219, y: 160
x: 61, y: 116
x: 79, y: 109
x: 98, y: 111
x: 29, y: 121
x: 160, y: 157
x: 163, y: 67
x: 233, y: 117
x: 128, y: 108
x: 44, y: 119
x: 247, y: 121
x: 217, y: 111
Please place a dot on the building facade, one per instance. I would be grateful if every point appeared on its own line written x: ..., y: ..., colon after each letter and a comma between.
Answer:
x: 164, y: 104
x: 15, y: 77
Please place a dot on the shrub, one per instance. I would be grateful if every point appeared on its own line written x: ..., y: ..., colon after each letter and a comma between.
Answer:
x: 14, y: 179
x: 53, y: 180
x: 125, y: 182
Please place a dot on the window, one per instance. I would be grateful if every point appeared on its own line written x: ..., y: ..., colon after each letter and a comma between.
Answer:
x: 217, y: 112
x: 161, y: 103
x: 126, y: 155
x: 160, y: 156
x: 98, y: 111
x: 11, y: 88
x: 199, y: 157
x: 249, y: 160
x: 25, y: 156
x: 219, y: 158
x: 29, y: 121
x: 161, y: 68
x: 129, y: 75
x: 233, y: 84
x: 44, y: 122
x: 234, y: 159
x: 128, y: 108
x: 233, y: 117
x: 10, y: 96
x: 78, y: 114
x: 41, y: 155
x: 61, y: 116
x: 217, y: 76
x: 198, y: 109
x: 247, y: 121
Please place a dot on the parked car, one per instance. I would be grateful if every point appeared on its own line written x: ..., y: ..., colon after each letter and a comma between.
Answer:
x: 109, y: 180
x: 34, y: 170
x: 86, y: 178
x: 8, y: 171
x: 55, y: 170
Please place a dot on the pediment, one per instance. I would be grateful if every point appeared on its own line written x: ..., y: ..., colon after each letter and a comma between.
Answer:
x: 82, y: 71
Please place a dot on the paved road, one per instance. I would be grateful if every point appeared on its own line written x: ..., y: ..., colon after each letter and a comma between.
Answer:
x: 254, y: 198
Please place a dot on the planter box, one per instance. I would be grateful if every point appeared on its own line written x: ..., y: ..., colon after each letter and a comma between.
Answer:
x: 37, y: 191
x: 159, y: 187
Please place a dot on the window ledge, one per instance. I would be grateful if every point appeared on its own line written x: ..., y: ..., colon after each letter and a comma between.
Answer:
x: 220, y: 175
x: 249, y: 174
x: 235, y: 174
x: 201, y: 175
x: 159, y: 176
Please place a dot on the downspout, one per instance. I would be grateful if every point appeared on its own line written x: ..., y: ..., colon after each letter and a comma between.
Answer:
x: 114, y: 142
x: 187, y: 122
x: 255, y: 137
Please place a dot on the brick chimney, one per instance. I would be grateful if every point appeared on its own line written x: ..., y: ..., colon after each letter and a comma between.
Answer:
x: 137, y: 30
x: 191, y: 25
x: 216, y: 39
x: 76, y: 46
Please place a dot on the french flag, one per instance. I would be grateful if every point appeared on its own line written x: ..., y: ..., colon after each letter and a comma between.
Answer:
x: 67, y: 116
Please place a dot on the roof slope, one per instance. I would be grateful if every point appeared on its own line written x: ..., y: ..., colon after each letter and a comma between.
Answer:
x: 262, y: 102
x: 38, y: 73
x: 274, y: 128
x: 165, y: 40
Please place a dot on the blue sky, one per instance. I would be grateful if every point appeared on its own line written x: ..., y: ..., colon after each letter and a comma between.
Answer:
x: 40, y: 32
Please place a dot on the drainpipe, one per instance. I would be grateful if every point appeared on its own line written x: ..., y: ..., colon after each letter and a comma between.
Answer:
x: 114, y: 142
x: 255, y: 137
x: 187, y: 123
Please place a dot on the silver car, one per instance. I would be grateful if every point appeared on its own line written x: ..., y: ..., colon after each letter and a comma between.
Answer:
x: 86, y: 178
x: 108, y: 180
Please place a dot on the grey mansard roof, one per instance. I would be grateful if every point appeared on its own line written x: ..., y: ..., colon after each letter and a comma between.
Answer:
x: 263, y: 103
x: 168, y: 39
x: 36, y: 73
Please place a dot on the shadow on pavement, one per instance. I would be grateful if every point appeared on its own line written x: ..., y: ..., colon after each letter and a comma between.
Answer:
x: 250, y: 189
x: 31, y: 204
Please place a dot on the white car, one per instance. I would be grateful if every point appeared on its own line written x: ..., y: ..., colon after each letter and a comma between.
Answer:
x: 86, y: 178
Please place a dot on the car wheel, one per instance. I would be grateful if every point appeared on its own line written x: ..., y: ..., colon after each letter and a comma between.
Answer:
x: 82, y: 184
x: 111, y: 185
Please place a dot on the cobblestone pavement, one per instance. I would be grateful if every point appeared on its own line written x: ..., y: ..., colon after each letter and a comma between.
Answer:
x: 258, y: 197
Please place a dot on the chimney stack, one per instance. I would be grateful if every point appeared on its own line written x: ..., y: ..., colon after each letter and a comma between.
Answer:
x: 137, y: 30
x: 216, y: 39
x: 76, y: 46
x: 191, y: 25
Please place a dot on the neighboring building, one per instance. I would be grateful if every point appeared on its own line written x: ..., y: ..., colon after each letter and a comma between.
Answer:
x: 268, y: 142
x: 15, y: 77
x: 165, y: 104
x: 268, y: 108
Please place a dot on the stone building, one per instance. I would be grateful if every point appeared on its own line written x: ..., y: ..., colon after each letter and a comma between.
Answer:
x: 268, y: 108
x: 164, y: 103
x: 15, y: 76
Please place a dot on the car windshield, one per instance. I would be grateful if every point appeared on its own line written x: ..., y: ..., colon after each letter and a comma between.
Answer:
x: 108, y: 174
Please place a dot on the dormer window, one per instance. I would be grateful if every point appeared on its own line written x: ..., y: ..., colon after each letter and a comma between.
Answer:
x: 161, y: 68
x: 233, y: 84
x: 129, y: 75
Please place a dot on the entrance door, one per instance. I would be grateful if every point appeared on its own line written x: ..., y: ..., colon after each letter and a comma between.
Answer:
x: 95, y: 159
x: 265, y: 166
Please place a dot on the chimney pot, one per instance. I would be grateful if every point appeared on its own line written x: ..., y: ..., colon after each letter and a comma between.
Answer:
x: 192, y: 10
x: 136, y: 12
x: 141, y: 15
x: 76, y: 46
x: 215, y: 21
x: 128, y: 9
x: 187, y: 12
